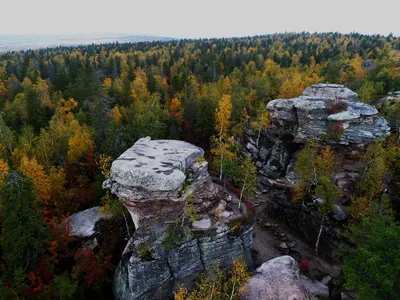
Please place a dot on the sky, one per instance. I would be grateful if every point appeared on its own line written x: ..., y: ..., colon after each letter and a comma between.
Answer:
x: 200, y: 18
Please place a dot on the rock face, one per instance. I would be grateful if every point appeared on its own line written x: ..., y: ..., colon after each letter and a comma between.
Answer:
x: 83, y: 223
x: 293, y: 122
x: 152, y: 173
x: 321, y: 106
x: 369, y: 64
x: 165, y: 184
x: 277, y: 278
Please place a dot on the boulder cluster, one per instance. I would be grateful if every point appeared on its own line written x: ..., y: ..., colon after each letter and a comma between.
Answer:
x: 321, y: 107
x: 184, y: 221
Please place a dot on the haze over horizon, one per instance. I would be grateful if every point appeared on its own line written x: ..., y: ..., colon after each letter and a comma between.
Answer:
x: 178, y: 19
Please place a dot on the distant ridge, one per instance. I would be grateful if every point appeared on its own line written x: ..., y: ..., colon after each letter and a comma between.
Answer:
x: 26, y: 42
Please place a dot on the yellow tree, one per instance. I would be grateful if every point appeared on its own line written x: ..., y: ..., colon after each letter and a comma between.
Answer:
x: 224, y: 86
x: 107, y: 84
x: 139, y: 87
x: 222, y: 119
x: 175, y: 109
x: 223, y: 115
x: 116, y: 114
x: 3, y: 170
x: 42, y: 88
x: 260, y: 123
x: 238, y: 128
x: 314, y: 166
x: 41, y: 184
x: 247, y: 177
x: 79, y: 144
x: 380, y: 162
x: 292, y: 86
x: 356, y: 64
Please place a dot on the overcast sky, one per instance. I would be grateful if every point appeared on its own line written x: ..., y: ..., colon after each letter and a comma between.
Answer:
x: 200, y: 18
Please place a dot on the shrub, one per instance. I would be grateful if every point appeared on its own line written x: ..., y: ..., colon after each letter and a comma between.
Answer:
x: 144, y: 252
x: 214, y: 284
x: 336, y: 108
x: 304, y: 266
x: 176, y: 235
x: 336, y: 130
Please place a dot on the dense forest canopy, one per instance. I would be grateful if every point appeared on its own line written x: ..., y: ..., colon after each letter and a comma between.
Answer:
x: 66, y: 112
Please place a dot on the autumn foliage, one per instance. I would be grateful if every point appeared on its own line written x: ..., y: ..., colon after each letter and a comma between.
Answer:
x: 94, y: 266
x: 218, y: 285
x: 67, y: 112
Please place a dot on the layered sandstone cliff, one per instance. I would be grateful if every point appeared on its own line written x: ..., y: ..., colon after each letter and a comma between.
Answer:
x: 184, y: 222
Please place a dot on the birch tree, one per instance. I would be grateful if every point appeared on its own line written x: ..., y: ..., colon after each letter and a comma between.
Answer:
x: 247, y: 178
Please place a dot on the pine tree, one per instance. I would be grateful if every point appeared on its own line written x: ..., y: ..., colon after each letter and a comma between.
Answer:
x: 23, y: 237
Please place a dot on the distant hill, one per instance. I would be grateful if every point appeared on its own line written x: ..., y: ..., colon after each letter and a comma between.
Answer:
x: 25, y: 42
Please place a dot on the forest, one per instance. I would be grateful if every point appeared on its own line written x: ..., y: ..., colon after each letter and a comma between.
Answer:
x: 67, y: 112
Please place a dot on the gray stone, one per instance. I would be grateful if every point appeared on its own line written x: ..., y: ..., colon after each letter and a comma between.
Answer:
x: 225, y: 214
x: 344, y: 116
x: 135, y: 278
x: 185, y: 260
x: 252, y: 149
x: 220, y: 208
x: 277, y: 278
x: 282, y: 109
x: 330, y: 91
x: 152, y: 166
x: 326, y: 279
x: 83, y: 223
x: 362, y: 109
x: 224, y: 246
x: 314, y: 287
x: 369, y: 64
x: 283, y: 246
x: 360, y: 120
x: 155, y: 180
x: 202, y: 224
x: 264, y: 153
x: 338, y: 213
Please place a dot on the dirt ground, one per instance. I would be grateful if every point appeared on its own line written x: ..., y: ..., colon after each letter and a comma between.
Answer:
x: 272, y: 239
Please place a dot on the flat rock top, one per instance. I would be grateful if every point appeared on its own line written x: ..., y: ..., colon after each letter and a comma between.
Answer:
x: 155, y: 165
x: 329, y: 91
x: 83, y: 223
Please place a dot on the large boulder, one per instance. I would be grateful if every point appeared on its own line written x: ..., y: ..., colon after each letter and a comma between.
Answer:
x: 277, y: 278
x: 165, y: 185
x: 83, y: 223
x: 151, y: 169
x: 153, y: 178
x: 321, y: 106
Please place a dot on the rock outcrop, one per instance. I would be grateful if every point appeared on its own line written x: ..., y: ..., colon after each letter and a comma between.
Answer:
x: 278, y: 278
x: 184, y: 222
x: 83, y: 223
x: 321, y: 106
x: 332, y: 115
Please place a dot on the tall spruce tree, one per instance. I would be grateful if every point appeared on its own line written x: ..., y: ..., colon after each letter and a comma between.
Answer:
x: 22, y: 237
